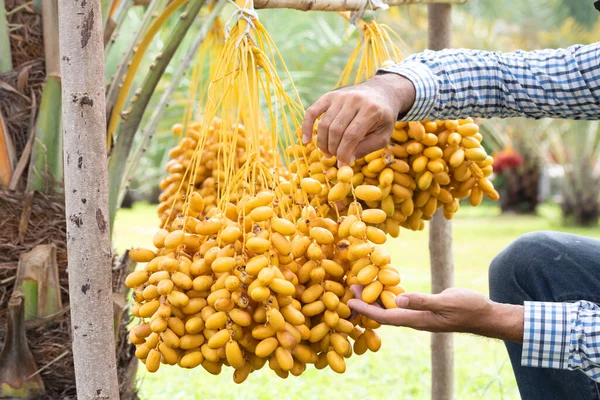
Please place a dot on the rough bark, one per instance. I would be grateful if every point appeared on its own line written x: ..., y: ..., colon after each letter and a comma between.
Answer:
x: 86, y: 195
x: 440, y: 26
x: 440, y: 240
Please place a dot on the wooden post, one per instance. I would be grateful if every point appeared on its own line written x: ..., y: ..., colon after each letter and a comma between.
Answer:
x: 86, y: 198
x: 440, y: 239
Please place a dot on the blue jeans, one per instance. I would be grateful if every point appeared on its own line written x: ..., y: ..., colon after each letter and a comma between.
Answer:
x: 548, y: 266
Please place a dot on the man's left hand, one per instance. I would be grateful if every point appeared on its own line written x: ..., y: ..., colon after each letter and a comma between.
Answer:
x: 453, y: 310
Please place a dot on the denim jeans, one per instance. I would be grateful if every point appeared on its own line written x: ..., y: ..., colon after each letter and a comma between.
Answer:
x: 548, y: 266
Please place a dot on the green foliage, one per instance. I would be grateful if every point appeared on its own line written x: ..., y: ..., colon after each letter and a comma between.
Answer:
x: 582, y: 11
x: 151, y: 166
x: 128, y: 129
x: 521, y: 133
x: 150, y: 169
x: 576, y: 147
x: 5, y: 54
x: 536, y: 15
x: 46, y: 164
x: 313, y: 47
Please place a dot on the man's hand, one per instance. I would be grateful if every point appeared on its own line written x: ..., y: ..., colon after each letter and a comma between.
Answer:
x: 453, y: 310
x: 358, y: 120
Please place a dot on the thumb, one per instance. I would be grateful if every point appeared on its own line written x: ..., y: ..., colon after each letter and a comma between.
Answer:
x: 419, y: 301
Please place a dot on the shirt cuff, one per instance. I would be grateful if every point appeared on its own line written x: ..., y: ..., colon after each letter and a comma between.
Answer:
x: 426, y: 88
x: 546, y: 335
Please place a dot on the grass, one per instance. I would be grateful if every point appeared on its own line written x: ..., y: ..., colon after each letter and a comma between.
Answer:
x: 401, y: 369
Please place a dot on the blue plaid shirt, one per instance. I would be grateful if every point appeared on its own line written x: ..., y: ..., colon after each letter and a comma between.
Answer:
x: 563, y: 83
x: 452, y: 83
x: 562, y: 336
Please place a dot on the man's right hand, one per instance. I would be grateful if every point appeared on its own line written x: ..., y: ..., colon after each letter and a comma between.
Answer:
x: 358, y: 120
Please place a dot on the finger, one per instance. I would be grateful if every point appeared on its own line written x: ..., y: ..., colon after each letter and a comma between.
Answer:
x: 365, y: 309
x: 323, y: 127
x: 338, y: 127
x: 357, y: 290
x: 355, y: 132
x: 419, y: 301
x: 312, y: 113
x: 371, y: 143
x: 354, y: 312
x: 378, y: 304
x: 394, y: 316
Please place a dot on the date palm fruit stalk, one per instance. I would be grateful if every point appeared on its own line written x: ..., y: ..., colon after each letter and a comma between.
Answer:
x: 256, y: 256
x: 255, y: 271
x: 426, y: 165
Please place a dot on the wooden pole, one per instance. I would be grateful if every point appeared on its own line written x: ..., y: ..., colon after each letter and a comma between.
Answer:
x: 86, y: 198
x: 440, y: 239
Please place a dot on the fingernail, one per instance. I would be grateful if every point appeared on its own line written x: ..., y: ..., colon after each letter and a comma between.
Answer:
x: 352, y: 159
x: 327, y: 155
x: 401, y: 301
x: 305, y: 139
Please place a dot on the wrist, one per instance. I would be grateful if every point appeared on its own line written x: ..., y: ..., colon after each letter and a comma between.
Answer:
x: 505, y: 322
x: 399, y: 89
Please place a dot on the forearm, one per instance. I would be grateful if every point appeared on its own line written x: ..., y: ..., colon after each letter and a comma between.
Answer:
x: 400, y: 89
x: 504, y: 321
x: 457, y: 83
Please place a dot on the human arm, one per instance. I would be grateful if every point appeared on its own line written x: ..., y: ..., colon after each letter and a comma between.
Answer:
x: 359, y: 119
x: 453, y: 310
x: 456, y: 83
x: 562, y: 336
x: 554, y: 335
x: 450, y: 84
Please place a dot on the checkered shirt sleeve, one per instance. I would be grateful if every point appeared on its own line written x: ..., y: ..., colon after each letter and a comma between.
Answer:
x: 562, y: 336
x: 457, y: 83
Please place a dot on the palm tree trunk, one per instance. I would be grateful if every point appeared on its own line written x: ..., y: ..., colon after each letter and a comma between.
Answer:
x: 86, y: 199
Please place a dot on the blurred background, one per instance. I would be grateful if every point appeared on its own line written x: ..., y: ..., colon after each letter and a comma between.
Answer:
x: 547, y: 173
